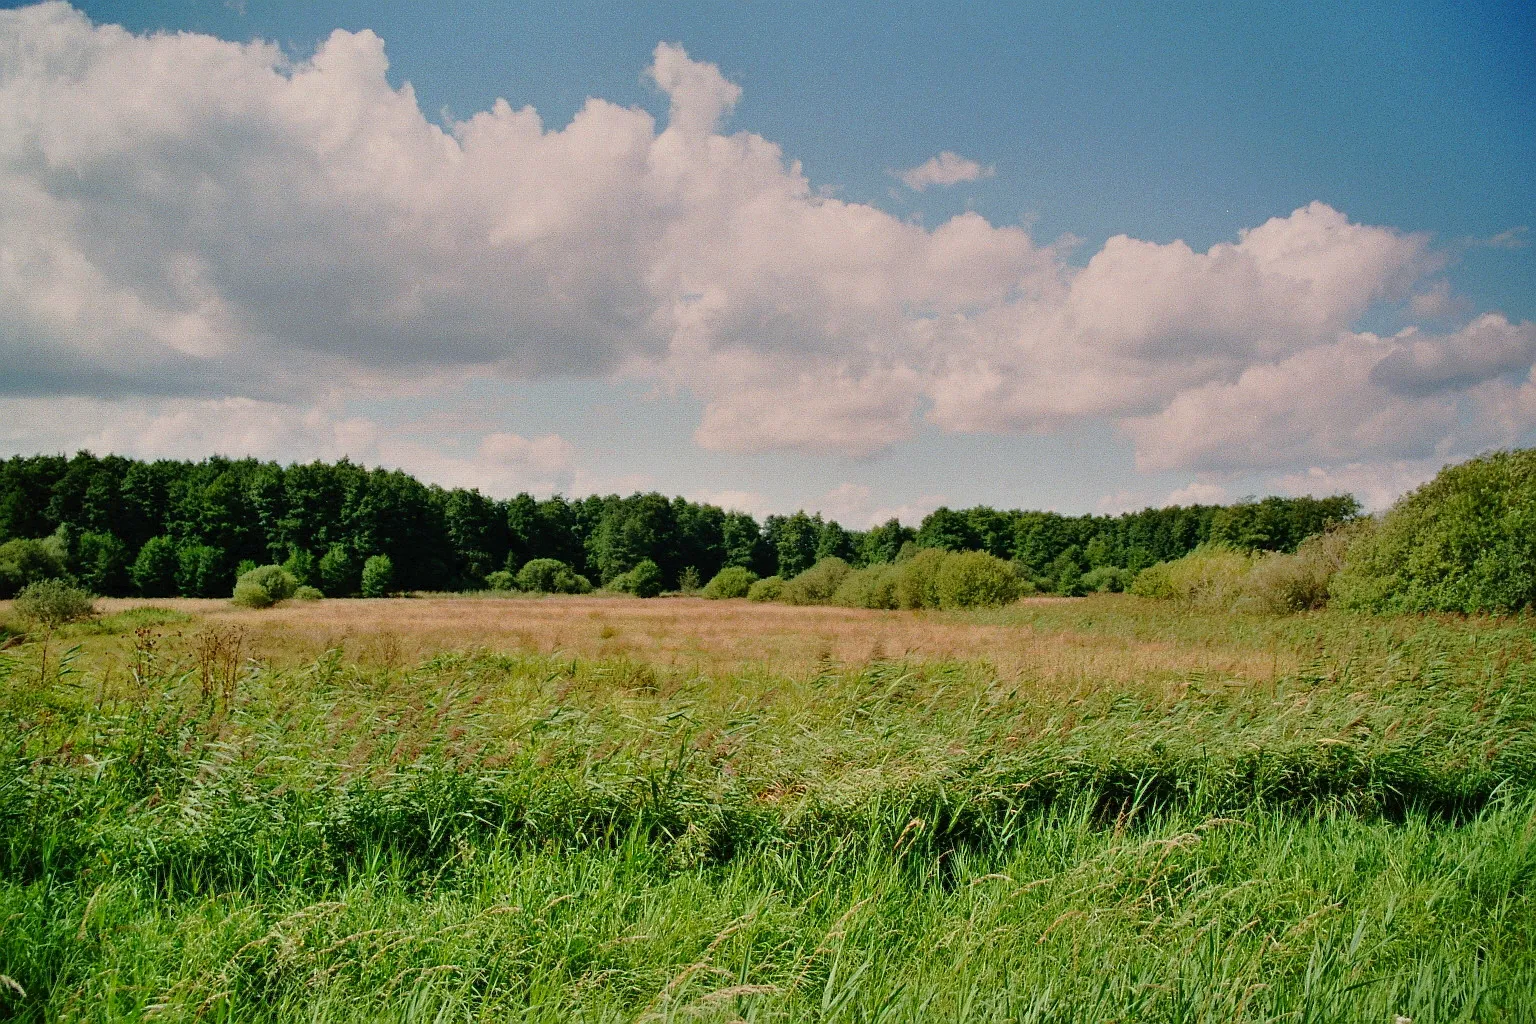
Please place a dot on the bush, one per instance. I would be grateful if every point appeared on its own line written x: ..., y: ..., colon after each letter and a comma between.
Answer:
x: 154, y: 570
x: 817, y: 584
x: 688, y: 580
x: 1211, y: 576
x: 975, y: 579
x: 732, y: 581
x: 302, y: 566
x: 873, y: 586
x: 644, y: 580
x: 769, y: 588
x: 1279, y: 583
x: 54, y: 602
x: 307, y: 594
x: 917, y: 585
x: 264, y: 586
x: 378, y: 576
x: 340, y: 575
x: 201, y: 570
x: 1106, y: 579
x: 551, y: 576
x: 1464, y: 542
x: 23, y: 562
x: 102, y: 563
x: 500, y: 580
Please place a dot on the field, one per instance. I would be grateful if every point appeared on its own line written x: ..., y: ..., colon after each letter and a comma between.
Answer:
x: 607, y: 809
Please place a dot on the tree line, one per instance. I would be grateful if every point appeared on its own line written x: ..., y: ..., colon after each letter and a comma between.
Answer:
x: 124, y: 526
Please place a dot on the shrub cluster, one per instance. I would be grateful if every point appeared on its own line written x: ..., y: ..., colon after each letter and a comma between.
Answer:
x: 732, y: 581
x: 54, y: 602
x: 1218, y: 578
x: 644, y: 580
x: 1464, y: 542
x: 264, y: 586
x: 551, y: 576
x: 928, y: 578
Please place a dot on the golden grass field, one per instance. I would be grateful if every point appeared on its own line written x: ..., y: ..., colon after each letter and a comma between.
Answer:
x: 1042, y: 639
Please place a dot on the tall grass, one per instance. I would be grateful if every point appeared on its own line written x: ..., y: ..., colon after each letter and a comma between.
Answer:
x: 496, y: 836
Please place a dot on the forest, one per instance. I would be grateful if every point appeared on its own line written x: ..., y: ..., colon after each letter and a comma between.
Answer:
x: 123, y: 527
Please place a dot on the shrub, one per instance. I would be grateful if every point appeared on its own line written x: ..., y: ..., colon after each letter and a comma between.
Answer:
x: 975, y: 579
x: 1211, y: 576
x: 500, y: 580
x: 644, y: 580
x: 154, y: 570
x: 817, y: 584
x: 378, y: 576
x: 732, y: 581
x: 302, y: 566
x: 23, y: 562
x: 102, y: 561
x: 688, y: 580
x: 1279, y: 583
x: 264, y: 586
x: 917, y: 585
x: 307, y: 594
x: 200, y: 570
x: 1464, y: 542
x: 54, y: 602
x: 339, y: 572
x: 769, y: 588
x: 873, y: 586
x: 1106, y: 579
x: 551, y: 576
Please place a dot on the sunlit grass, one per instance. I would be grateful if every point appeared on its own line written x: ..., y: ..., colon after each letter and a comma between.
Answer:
x: 1089, y: 810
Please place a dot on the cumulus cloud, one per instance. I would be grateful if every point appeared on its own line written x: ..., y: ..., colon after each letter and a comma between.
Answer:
x: 185, y: 219
x: 946, y: 169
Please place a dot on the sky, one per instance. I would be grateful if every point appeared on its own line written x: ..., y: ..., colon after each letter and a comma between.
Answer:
x: 862, y: 259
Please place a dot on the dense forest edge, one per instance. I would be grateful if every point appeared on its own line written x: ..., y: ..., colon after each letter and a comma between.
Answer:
x: 123, y: 527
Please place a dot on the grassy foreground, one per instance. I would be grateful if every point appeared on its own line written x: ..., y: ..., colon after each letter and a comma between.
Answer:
x: 1336, y: 822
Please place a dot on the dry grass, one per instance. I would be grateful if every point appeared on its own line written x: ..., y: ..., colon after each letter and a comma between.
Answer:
x: 721, y: 637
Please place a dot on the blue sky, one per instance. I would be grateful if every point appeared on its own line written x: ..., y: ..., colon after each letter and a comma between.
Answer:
x: 1081, y: 375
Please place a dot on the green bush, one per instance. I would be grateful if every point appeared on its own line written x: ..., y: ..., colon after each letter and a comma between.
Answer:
x: 378, y: 576
x: 302, y: 566
x: 500, y: 580
x: 264, y: 586
x: 102, y: 563
x: 732, y: 581
x: 688, y: 580
x: 917, y: 585
x: 551, y: 576
x: 975, y: 579
x: 154, y: 570
x: 1211, y: 576
x: 644, y: 580
x: 766, y: 589
x: 817, y: 584
x: 1464, y: 542
x: 54, y: 602
x: 201, y: 570
x: 27, y: 561
x: 1106, y: 579
x: 1279, y: 584
x: 307, y: 594
x: 340, y: 575
x: 873, y: 586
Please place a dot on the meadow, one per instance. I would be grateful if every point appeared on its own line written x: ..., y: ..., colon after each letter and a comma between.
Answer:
x: 606, y: 809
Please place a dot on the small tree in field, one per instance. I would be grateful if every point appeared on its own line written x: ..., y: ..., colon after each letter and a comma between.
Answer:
x: 264, y: 586
x: 378, y: 575
x: 52, y: 603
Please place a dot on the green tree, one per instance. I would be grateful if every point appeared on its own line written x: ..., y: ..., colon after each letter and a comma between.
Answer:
x: 378, y: 576
x: 154, y: 569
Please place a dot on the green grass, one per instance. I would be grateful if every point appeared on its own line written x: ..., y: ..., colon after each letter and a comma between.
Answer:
x: 508, y: 837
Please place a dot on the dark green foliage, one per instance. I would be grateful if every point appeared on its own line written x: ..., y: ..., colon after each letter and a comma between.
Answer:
x: 732, y: 581
x: 54, y: 602
x: 202, y: 570
x: 644, y: 580
x: 341, y: 574
x: 551, y: 576
x: 154, y: 570
x: 24, y: 561
x: 378, y: 576
x: 323, y: 520
x: 1464, y: 542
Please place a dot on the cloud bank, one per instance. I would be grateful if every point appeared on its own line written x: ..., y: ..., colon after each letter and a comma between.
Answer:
x: 189, y: 221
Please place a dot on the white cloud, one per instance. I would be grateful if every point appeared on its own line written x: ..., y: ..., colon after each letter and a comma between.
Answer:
x: 1377, y: 484
x: 944, y: 170
x: 188, y: 219
x: 1198, y: 493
